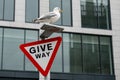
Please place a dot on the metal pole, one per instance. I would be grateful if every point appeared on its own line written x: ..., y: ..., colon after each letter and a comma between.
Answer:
x: 41, y: 77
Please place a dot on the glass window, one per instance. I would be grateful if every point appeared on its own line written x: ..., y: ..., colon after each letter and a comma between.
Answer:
x: 1, y: 31
x: 95, y: 14
x: 12, y: 56
x: 103, y: 14
x: 105, y: 50
x: 57, y: 64
x: 1, y: 9
x: 89, y: 19
x: 32, y: 10
x: 9, y: 10
x: 90, y: 50
x: 31, y: 35
x: 66, y: 52
x: 66, y: 16
x: 75, y: 53
x: 67, y: 12
x: 72, y: 53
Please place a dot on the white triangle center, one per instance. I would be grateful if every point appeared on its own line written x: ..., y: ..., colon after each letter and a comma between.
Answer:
x: 42, y: 53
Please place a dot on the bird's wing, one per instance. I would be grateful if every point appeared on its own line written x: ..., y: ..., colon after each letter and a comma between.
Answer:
x: 48, y: 16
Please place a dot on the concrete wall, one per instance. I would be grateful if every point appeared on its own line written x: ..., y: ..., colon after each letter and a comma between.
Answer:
x: 115, y: 16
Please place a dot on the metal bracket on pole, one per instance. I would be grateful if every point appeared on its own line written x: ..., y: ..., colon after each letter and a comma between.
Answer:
x: 49, y: 29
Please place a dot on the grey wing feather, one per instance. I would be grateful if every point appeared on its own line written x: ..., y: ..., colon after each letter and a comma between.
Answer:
x: 48, y: 16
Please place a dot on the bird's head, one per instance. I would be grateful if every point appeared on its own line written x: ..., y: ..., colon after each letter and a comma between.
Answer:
x: 57, y: 9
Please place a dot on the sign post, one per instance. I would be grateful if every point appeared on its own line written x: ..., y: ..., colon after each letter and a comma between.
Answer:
x: 41, y: 77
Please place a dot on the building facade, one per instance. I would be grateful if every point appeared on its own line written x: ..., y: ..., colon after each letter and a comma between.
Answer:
x: 90, y: 46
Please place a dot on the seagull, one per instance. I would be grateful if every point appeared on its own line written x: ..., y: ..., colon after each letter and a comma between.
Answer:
x: 50, y: 17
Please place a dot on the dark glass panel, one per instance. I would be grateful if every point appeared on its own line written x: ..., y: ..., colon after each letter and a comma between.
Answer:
x: 66, y: 51
x: 103, y: 14
x: 72, y: 53
x: 67, y: 13
x: 89, y: 13
x: 75, y: 54
x: 105, y: 50
x: 95, y: 14
x: 13, y: 58
x: 90, y: 50
x: 9, y: 10
x: 31, y: 10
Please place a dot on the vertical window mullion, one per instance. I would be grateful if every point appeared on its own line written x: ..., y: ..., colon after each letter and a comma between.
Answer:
x: 61, y: 13
x: 14, y: 11
x: 109, y: 15
x: 3, y: 8
x: 112, y: 56
x: 97, y: 14
x: 82, y: 52
x: 71, y: 12
x: 99, y: 55
x: 2, y: 49
x: 38, y: 8
x: 24, y: 55
x: 62, y: 54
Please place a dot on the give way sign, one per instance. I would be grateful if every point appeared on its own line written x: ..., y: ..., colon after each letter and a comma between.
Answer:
x: 42, y: 53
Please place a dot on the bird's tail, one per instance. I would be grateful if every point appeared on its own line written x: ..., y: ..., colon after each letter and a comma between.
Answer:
x: 34, y: 20
x: 38, y: 21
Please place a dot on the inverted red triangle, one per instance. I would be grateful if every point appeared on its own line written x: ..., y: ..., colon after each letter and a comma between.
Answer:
x: 25, y: 47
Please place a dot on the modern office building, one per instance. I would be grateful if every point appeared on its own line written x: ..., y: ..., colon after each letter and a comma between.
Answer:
x: 90, y: 49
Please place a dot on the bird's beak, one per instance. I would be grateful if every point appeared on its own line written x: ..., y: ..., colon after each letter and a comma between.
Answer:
x: 60, y: 11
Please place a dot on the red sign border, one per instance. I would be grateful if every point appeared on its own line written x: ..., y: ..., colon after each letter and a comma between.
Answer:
x: 44, y: 73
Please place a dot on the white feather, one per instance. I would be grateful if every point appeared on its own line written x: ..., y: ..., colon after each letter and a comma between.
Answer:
x: 50, y: 17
